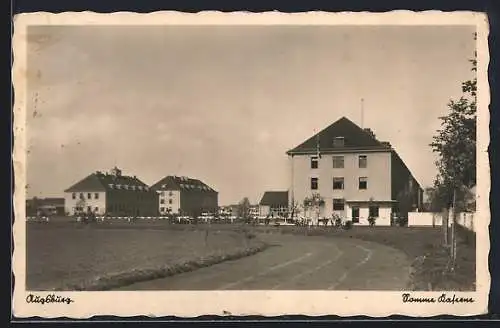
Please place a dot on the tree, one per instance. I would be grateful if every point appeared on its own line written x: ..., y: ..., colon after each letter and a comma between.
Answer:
x: 455, y: 144
x: 293, y: 211
x: 315, y: 201
x: 244, y: 209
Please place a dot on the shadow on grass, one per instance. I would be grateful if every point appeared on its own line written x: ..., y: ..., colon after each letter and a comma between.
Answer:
x: 113, y: 281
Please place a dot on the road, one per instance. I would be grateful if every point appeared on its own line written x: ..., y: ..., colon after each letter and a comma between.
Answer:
x: 299, y: 263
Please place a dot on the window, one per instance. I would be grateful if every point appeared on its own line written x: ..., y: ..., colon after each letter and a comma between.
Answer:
x: 338, y: 204
x: 89, y: 196
x: 314, y: 162
x: 170, y: 193
x: 373, y: 210
x: 162, y: 209
x: 73, y: 196
x: 363, y: 183
x: 363, y: 161
x: 170, y: 201
x: 81, y: 195
x: 338, y: 183
x: 96, y: 195
x: 162, y: 201
x: 338, y: 142
x: 314, y: 183
x: 338, y: 162
x: 89, y: 208
x: 96, y: 209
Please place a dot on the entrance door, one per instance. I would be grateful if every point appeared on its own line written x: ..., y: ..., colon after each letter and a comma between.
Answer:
x: 355, y: 214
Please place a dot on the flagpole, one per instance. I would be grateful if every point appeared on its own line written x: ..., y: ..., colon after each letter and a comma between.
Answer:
x: 317, y: 146
x: 362, y: 112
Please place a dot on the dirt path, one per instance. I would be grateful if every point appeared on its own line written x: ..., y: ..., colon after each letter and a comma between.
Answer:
x: 299, y: 263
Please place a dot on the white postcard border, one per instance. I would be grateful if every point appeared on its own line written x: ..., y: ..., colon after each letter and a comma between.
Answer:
x: 265, y: 303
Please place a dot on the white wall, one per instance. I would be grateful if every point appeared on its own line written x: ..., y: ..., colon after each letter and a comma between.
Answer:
x: 425, y: 219
x: 466, y: 220
x: 384, y: 213
x: 378, y: 172
x: 165, y: 196
x: 99, y: 203
x: 264, y: 210
x: 416, y: 219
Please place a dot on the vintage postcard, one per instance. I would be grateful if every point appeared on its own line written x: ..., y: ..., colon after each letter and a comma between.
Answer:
x: 175, y: 164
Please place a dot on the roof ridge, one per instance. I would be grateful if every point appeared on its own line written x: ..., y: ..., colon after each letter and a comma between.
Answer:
x: 355, y: 137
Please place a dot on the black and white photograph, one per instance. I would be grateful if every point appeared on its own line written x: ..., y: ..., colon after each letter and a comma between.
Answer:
x: 211, y: 163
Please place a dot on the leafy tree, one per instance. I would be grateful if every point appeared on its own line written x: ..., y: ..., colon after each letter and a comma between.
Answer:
x: 293, y: 211
x: 244, y: 209
x: 455, y: 144
x: 315, y: 201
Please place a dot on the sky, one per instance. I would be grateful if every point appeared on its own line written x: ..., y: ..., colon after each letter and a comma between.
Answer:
x: 224, y: 103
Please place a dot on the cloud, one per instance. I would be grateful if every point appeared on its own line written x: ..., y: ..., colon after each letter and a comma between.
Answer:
x: 224, y: 104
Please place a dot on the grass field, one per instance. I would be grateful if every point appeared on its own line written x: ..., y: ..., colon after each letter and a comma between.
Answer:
x: 65, y: 255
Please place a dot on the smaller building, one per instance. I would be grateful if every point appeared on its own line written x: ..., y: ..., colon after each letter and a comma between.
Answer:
x: 185, y: 196
x: 254, y: 211
x: 45, y: 206
x: 229, y: 211
x: 274, y: 204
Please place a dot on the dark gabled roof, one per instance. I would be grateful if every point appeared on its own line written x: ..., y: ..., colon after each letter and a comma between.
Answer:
x: 89, y: 183
x: 275, y: 198
x: 355, y: 138
x: 400, y: 160
x: 173, y: 182
x: 102, y: 182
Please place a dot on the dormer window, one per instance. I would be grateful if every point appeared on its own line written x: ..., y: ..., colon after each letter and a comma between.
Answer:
x: 118, y: 186
x: 338, y: 142
x: 126, y: 187
x: 111, y: 185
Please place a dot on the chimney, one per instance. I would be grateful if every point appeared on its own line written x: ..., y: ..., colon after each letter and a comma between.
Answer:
x: 386, y: 144
x: 370, y: 132
x: 116, y: 172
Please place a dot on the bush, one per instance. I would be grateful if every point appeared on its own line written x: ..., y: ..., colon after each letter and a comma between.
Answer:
x: 402, y: 222
x: 348, y: 225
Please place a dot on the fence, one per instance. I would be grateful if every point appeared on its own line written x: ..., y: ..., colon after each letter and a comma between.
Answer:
x: 430, y: 219
x: 466, y: 220
x: 425, y: 219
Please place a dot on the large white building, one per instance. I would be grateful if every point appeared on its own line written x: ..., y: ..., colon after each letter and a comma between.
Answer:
x: 112, y: 194
x: 354, y: 174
